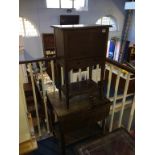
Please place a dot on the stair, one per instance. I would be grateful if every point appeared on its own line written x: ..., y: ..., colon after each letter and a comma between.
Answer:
x: 31, y: 108
x: 31, y: 105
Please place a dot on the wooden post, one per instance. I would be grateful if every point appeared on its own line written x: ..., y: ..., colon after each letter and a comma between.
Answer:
x: 114, y: 102
x: 44, y: 97
x: 124, y: 99
x: 62, y: 76
x: 109, y: 81
x: 87, y: 73
x: 80, y: 76
x: 71, y: 75
x: 53, y: 75
x: 131, y: 114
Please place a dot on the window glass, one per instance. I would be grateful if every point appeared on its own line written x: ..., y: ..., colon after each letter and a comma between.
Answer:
x: 80, y: 4
x: 26, y: 28
x: 108, y: 21
x: 52, y: 3
x: 66, y: 4
x: 21, y: 28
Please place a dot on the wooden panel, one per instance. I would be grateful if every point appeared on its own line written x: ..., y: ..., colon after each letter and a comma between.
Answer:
x: 87, y: 117
x: 48, y: 41
x: 85, y: 43
x: 69, y: 19
x: 77, y: 135
x: 81, y: 112
x: 59, y: 42
x: 79, y: 42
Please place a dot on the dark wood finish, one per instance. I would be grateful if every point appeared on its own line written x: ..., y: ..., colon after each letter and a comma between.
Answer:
x: 81, y: 42
x: 79, y: 134
x: 79, y: 121
x: 78, y: 103
x: 48, y: 43
x: 69, y: 19
x: 80, y: 47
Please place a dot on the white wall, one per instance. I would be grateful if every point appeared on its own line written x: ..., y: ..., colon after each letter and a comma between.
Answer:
x: 43, y: 18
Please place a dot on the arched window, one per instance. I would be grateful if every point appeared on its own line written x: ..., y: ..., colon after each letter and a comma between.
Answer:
x: 107, y: 20
x: 26, y: 28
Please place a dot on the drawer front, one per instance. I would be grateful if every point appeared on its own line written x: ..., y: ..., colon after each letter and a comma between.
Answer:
x: 84, y: 63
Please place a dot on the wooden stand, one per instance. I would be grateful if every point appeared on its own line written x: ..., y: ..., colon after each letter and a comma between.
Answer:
x: 80, y: 47
x: 80, y: 120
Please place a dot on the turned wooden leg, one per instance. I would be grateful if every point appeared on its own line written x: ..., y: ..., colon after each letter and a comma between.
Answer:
x: 67, y: 87
x: 101, y: 82
x: 59, y: 79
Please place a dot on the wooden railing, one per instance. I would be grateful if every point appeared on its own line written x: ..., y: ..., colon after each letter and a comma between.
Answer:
x: 127, y: 74
x: 35, y: 77
x: 116, y: 75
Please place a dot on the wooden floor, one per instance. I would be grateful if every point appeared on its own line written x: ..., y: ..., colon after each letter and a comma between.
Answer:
x: 28, y: 146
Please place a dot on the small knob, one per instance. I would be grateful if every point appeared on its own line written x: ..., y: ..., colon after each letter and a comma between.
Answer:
x: 92, y: 100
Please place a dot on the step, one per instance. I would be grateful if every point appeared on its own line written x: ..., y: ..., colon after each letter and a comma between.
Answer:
x: 27, y: 87
x: 29, y: 99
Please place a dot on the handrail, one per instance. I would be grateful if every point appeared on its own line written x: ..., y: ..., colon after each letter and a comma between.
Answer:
x: 120, y: 65
x: 37, y: 60
x: 54, y: 57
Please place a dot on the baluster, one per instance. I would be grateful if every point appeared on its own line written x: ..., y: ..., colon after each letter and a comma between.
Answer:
x: 71, y: 75
x: 44, y: 96
x: 62, y: 76
x: 97, y: 73
x: 114, y: 101
x: 131, y: 115
x: 34, y: 96
x: 80, y: 76
x: 24, y: 73
x: 87, y: 73
x: 53, y: 75
x: 21, y: 82
x: 109, y: 80
x: 124, y: 99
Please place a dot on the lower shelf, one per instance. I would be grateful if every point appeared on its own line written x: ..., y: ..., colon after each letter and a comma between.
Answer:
x: 79, y: 134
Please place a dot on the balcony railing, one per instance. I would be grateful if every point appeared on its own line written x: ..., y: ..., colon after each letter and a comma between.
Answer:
x: 119, y: 88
